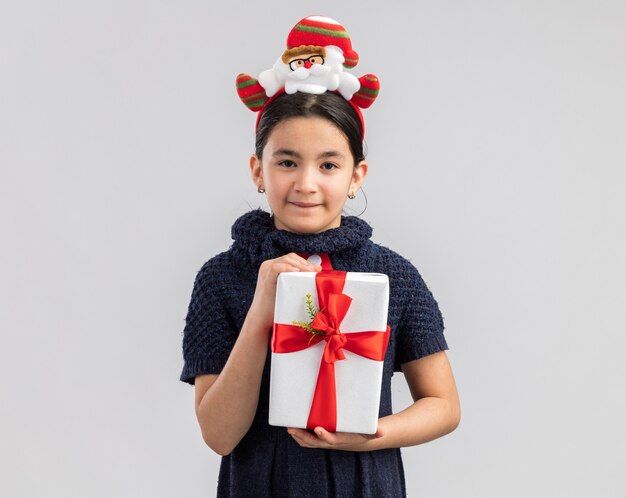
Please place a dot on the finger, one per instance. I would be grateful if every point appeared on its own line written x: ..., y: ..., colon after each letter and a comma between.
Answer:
x: 294, y: 260
x: 304, y: 438
x: 301, y: 433
x: 305, y: 264
x: 285, y: 267
x: 309, y: 437
x: 272, y: 269
x: 288, y: 262
x: 325, y: 436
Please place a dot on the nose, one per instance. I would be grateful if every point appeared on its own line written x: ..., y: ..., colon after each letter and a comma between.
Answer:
x: 307, y: 64
x: 305, y: 180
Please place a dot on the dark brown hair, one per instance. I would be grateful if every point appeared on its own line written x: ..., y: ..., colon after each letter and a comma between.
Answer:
x: 328, y: 105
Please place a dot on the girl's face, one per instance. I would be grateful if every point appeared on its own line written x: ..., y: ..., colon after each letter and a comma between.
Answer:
x: 307, y: 172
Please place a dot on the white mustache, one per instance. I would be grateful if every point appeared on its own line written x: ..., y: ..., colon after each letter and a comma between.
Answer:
x: 302, y: 72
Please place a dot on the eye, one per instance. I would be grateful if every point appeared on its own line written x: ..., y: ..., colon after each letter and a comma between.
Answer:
x: 287, y: 163
x: 329, y: 166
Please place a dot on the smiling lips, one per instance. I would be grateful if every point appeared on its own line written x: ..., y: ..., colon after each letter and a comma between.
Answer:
x: 305, y: 204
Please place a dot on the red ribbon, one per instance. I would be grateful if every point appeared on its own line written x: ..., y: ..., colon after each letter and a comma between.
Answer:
x: 333, y: 306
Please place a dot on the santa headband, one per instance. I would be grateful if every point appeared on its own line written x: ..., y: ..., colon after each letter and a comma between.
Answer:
x: 318, y: 52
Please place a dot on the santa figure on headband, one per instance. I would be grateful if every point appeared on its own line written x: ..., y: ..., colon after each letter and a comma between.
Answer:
x: 318, y: 51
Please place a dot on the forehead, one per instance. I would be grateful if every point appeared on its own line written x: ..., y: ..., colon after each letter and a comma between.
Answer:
x: 307, y: 135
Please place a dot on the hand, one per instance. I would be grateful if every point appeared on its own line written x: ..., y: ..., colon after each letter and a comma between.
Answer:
x: 321, y: 438
x: 265, y: 294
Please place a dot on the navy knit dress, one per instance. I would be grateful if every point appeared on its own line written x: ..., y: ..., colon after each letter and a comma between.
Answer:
x: 268, y: 462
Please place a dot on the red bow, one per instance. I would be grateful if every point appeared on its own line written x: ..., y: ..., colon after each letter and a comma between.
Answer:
x: 333, y: 308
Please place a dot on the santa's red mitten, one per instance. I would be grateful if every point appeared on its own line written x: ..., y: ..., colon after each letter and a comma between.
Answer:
x: 251, y: 92
x: 366, y: 95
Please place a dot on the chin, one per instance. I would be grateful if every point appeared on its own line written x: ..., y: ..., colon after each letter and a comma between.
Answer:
x: 303, y: 229
x: 308, y: 222
x: 311, y: 228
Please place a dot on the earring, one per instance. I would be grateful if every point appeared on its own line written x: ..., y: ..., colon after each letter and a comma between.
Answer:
x: 351, y: 196
x: 260, y: 190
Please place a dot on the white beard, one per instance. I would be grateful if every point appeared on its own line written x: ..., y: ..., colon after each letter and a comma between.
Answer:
x: 317, y: 80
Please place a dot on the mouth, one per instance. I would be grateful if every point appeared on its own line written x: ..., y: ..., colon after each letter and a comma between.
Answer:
x: 305, y: 204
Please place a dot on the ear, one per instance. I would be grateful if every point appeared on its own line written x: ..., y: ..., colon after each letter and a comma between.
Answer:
x: 358, y: 176
x: 256, y: 170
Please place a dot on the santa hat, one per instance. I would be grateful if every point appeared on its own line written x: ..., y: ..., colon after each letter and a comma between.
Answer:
x: 323, y: 31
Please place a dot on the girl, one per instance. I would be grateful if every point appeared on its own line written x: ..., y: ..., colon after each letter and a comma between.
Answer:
x: 308, y: 161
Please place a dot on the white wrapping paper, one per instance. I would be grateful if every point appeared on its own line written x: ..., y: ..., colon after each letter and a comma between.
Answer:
x: 358, y: 379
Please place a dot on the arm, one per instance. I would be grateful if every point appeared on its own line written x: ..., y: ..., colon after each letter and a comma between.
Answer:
x: 226, y: 403
x: 434, y: 413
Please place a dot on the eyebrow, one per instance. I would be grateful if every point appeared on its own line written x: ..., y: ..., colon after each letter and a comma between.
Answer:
x: 293, y: 153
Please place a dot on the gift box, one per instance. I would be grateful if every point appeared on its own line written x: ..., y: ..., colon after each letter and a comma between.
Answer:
x: 328, y: 345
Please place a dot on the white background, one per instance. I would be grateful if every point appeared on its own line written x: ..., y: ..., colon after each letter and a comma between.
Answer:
x: 497, y: 165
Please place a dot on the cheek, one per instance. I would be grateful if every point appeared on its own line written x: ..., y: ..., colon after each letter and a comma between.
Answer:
x: 339, y: 190
x: 275, y: 187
